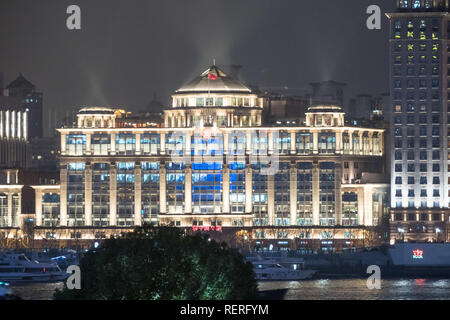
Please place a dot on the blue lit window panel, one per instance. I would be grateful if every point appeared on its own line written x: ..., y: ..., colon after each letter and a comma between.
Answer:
x: 349, y: 209
x: 176, y: 166
x: 175, y: 143
x: 210, y: 146
x: 207, y: 166
x: 327, y: 142
x: 150, y: 166
x: 75, y: 144
x: 125, y: 195
x: 125, y: 165
x: 75, y: 194
x: 327, y: 193
x: 304, y: 142
x: 125, y: 143
x: 206, y: 188
x: 260, y: 196
x: 100, y: 194
x: 237, y: 187
x: 150, y: 143
x: 76, y: 166
x: 236, y: 144
x: 260, y: 142
x: 175, y: 187
x: 237, y: 166
x: 304, y: 194
x: 50, y: 210
x: 100, y: 144
x: 282, y: 142
x: 282, y: 194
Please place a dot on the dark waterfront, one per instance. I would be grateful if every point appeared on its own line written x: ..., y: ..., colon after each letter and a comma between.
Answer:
x: 320, y: 289
x: 356, y: 289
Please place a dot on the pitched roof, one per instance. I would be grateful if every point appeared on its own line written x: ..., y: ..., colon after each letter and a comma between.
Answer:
x: 213, y: 80
x: 20, y: 83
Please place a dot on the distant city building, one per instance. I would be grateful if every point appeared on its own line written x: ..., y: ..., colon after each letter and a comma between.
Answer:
x: 13, y: 133
x: 23, y: 89
x: 331, y: 91
x: 44, y: 153
x: 419, y: 120
x: 366, y: 106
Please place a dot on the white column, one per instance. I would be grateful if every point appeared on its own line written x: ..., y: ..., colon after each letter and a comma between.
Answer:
x: 248, y: 188
x: 315, y: 142
x: 248, y: 140
x: 315, y: 194
x: 63, y: 196
x: 338, y: 195
x: 138, y: 144
x: 271, y: 199
x: 88, y: 144
x: 270, y: 141
x: 137, y: 194
x: 188, y: 189
x: 226, y: 188
x: 225, y: 143
x: 370, y: 142
x: 350, y: 140
x: 361, y: 146
x: 113, y: 195
x: 162, y: 189
x: 63, y: 144
x: 188, y: 145
x: 38, y: 206
x: 88, y: 195
x: 293, y: 193
x: 293, y: 149
x: 339, y: 144
x: 361, y: 214
x: 113, y: 143
x: 10, y: 217
x: 368, y: 214
x: 162, y: 143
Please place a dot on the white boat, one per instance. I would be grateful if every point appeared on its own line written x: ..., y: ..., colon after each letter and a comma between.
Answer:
x: 16, y: 268
x: 5, y: 290
x: 289, y: 269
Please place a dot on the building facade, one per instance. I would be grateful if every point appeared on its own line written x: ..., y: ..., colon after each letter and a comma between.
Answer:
x: 420, y: 59
x: 13, y: 133
x: 31, y: 100
x: 214, y: 166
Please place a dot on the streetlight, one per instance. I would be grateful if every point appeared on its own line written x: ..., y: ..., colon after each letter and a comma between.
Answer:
x: 437, y: 233
x: 402, y: 231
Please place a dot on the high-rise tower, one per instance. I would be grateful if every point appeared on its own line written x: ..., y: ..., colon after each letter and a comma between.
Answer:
x: 419, y: 82
x: 23, y: 89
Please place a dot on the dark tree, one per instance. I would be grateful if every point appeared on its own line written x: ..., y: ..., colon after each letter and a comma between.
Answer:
x: 163, y: 263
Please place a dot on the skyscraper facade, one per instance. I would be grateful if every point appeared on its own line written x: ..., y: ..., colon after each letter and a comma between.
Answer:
x: 23, y: 89
x: 419, y: 64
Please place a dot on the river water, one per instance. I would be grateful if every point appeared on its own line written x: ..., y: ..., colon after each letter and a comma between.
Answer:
x: 323, y: 289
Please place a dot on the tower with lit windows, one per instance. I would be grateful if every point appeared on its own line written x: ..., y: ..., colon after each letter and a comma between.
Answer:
x: 419, y: 64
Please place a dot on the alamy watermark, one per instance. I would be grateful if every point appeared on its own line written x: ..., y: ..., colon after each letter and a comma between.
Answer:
x: 74, y: 280
x: 374, y: 280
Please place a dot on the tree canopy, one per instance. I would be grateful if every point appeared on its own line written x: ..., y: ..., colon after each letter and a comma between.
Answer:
x: 163, y: 263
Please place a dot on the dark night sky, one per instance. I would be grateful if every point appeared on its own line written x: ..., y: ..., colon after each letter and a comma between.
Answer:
x: 128, y: 50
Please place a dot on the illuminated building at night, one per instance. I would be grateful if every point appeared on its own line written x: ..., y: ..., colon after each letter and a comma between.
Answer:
x: 215, y: 166
x: 419, y: 120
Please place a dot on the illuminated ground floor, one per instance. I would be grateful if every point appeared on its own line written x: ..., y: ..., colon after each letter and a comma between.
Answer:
x: 303, y: 239
x: 419, y: 225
